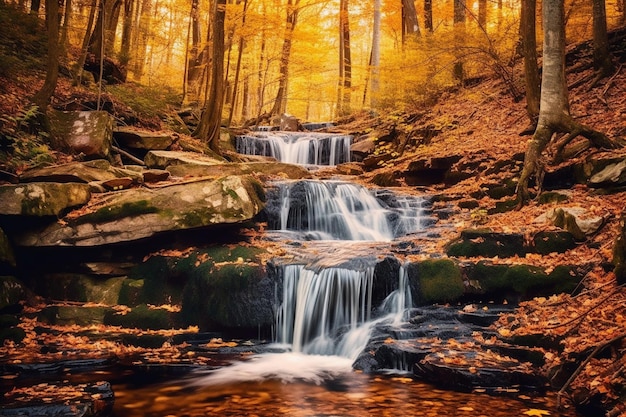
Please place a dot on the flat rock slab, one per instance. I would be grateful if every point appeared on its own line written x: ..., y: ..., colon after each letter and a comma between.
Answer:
x: 279, y: 169
x: 142, y: 139
x: 42, y: 198
x: 134, y: 214
x: 164, y: 159
x: 96, y: 170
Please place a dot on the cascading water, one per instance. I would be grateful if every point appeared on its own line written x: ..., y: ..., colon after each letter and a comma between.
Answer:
x: 303, y: 148
x: 334, y: 210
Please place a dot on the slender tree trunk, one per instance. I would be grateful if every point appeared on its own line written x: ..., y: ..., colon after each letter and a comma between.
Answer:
x: 344, y: 96
x: 602, y: 61
x: 78, y: 68
x: 375, y: 58
x: 428, y: 15
x: 459, y: 29
x: 529, y: 50
x: 127, y: 32
x: 280, y: 103
x: 482, y: 14
x: 67, y: 18
x: 238, y: 68
x: 42, y: 97
x: 112, y: 18
x: 554, y: 113
x: 35, y: 5
x: 141, y: 44
x: 209, y: 127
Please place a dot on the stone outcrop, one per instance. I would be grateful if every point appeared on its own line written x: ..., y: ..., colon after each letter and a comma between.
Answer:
x: 42, y: 198
x: 142, y: 139
x: 139, y: 213
x: 82, y: 132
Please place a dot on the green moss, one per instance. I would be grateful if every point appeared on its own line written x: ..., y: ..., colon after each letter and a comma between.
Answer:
x: 131, y: 293
x: 134, y: 208
x: 143, y: 317
x: 550, y: 197
x: 439, y: 281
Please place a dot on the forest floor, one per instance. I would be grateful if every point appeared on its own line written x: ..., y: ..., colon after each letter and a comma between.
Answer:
x: 485, y: 120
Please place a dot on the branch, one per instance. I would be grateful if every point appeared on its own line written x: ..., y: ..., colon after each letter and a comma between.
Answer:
x: 128, y: 155
x: 588, y: 310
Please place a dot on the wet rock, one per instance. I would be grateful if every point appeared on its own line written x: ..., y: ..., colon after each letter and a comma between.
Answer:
x: 82, y: 132
x: 486, y: 243
x: 142, y: 139
x: 164, y: 159
x: 435, y: 280
x: 42, y: 198
x: 139, y: 213
x: 143, y: 317
x: 546, y: 242
x: 78, y: 288
x: 362, y: 147
x: 66, y: 315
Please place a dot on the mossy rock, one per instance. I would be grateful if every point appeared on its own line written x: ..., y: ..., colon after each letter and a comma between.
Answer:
x: 504, y: 206
x: 14, y: 334
x: 499, y: 191
x: 131, y: 292
x: 546, y: 242
x: 486, y: 243
x: 435, y: 280
x: 145, y: 318
x: 12, y: 291
x: 79, y: 287
x: 551, y: 197
x: 522, y: 281
x: 73, y: 315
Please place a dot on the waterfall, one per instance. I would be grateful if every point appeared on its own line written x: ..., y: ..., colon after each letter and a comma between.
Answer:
x: 328, y: 312
x: 303, y: 148
x: 334, y: 210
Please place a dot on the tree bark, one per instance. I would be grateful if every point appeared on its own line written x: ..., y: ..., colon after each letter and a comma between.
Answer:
x: 344, y: 95
x: 428, y: 15
x: 459, y: 28
x: 209, y: 127
x: 532, y: 78
x: 127, y: 32
x: 554, y: 113
x: 410, y: 24
x: 78, y: 68
x: 280, y: 103
x: 602, y: 62
x: 238, y: 69
x: 42, y: 97
x: 375, y: 57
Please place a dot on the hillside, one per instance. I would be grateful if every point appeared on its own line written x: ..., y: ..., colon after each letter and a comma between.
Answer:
x: 478, y: 127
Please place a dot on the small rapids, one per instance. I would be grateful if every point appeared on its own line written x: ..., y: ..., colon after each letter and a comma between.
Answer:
x: 303, y: 148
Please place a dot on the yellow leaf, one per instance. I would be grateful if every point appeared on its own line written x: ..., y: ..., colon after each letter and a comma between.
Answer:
x: 537, y: 412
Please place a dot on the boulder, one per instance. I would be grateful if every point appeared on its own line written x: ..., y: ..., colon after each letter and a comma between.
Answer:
x: 362, y: 147
x: 164, y: 159
x: 613, y: 174
x: 42, y: 198
x: 134, y: 214
x: 96, y: 170
x: 264, y: 169
x: 289, y: 123
x: 82, y: 132
x: 78, y: 288
x: 142, y: 139
x: 576, y: 220
x: 487, y: 243
x: 435, y: 281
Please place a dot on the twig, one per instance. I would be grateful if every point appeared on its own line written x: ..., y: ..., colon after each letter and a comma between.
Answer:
x: 128, y: 155
x: 583, y: 364
x: 609, y: 83
x: 588, y: 310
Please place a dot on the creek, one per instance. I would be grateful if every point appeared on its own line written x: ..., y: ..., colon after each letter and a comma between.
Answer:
x: 327, y: 312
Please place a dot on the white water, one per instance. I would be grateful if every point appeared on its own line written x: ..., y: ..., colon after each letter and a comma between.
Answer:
x: 303, y: 148
x: 334, y: 210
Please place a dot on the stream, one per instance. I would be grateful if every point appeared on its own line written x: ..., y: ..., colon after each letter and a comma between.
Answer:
x: 326, y: 313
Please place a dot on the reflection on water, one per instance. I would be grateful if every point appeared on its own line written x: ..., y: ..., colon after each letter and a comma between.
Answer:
x: 268, y: 386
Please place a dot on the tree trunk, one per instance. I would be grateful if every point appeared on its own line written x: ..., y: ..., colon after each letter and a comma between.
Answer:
x: 602, y: 61
x: 554, y: 114
x: 410, y: 24
x: 111, y: 19
x: 78, y: 68
x: 428, y: 15
x: 35, y: 5
x: 375, y: 58
x: 127, y: 32
x: 67, y: 18
x: 459, y: 28
x: 42, y: 97
x: 141, y: 40
x: 209, y: 127
x: 482, y: 14
x: 238, y: 68
x: 345, y: 61
x: 529, y: 50
x: 280, y: 103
